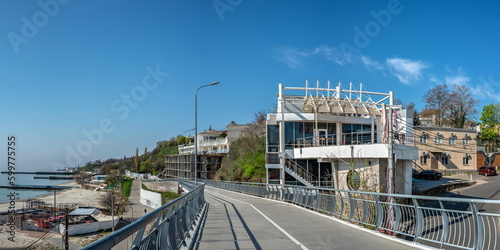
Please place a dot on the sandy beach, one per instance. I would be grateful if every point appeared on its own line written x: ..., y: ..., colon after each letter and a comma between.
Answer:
x: 77, y: 195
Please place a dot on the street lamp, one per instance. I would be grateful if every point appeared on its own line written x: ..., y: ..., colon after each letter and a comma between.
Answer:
x: 132, y: 213
x: 196, y: 129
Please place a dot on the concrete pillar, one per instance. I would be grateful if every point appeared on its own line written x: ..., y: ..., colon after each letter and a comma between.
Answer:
x: 339, y: 133
x: 335, y: 167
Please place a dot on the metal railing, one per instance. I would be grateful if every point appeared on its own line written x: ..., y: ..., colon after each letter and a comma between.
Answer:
x: 433, y: 221
x: 171, y: 226
x: 301, y: 171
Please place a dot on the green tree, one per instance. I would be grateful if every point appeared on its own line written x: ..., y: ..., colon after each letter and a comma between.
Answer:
x: 136, y: 159
x: 180, y: 140
x: 245, y: 160
x: 490, y: 119
x: 144, y: 167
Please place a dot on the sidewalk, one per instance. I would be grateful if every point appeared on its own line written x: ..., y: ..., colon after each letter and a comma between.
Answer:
x: 452, y: 180
x: 134, y: 210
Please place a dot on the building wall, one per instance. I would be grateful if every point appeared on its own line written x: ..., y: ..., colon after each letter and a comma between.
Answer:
x: 150, y: 199
x: 179, y: 166
x: 373, y: 174
x: 481, y: 160
x: 182, y: 166
x: 436, y: 152
x: 496, y: 160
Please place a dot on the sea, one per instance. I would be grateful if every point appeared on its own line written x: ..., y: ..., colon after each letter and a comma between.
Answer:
x: 26, y: 179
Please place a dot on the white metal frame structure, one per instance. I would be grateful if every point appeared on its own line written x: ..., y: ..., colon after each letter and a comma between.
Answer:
x: 373, y: 116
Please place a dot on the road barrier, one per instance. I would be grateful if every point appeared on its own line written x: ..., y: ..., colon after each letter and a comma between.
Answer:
x: 171, y: 226
x: 439, y: 222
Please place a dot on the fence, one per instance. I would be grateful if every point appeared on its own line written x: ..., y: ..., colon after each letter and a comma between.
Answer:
x: 171, y: 226
x: 434, y: 221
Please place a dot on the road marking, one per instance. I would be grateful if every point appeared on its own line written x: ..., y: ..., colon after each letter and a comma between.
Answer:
x: 267, y: 218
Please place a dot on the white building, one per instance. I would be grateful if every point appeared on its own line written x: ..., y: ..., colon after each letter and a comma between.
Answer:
x: 214, y: 142
x: 212, y: 147
x: 339, y: 138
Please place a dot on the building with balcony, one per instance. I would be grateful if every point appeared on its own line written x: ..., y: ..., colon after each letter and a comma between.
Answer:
x: 342, y: 138
x: 445, y: 148
x: 212, y: 147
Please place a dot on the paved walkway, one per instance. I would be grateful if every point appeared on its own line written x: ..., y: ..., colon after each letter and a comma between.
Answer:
x: 237, y: 221
x: 134, y: 210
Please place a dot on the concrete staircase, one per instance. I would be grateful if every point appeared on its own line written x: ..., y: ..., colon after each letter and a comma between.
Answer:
x: 299, y: 173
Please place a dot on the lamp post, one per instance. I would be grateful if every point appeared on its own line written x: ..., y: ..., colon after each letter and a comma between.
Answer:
x: 132, y: 213
x: 196, y: 129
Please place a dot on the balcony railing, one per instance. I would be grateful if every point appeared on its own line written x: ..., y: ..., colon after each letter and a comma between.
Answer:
x: 355, y: 138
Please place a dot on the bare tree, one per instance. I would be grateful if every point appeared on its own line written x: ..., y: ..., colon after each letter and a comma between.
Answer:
x: 437, y: 99
x: 113, y: 199
x: 462, y: 106
x: 83, y: 178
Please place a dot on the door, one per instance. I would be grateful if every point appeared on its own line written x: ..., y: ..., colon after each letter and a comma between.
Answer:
x: 322, y: 137
x: 434, y: 163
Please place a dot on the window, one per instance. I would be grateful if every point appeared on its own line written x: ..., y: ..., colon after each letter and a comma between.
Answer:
x: 423, y: 139
x: 438, y: 140
x: 466, y: 141
x: 273, y: 136
x: 466, y: 160
x: 444, y: 160
x: 423, y: 160
x: 452, y: 141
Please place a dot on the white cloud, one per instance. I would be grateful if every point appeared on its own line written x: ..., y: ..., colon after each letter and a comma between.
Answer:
x: 334, y: 54
x: 406, y: 70
x: 487, y: 88
x: 371, y: 64
x: 459, y: 78
x: 295, y: 58
x: 435, y: 80
x: 292, y: 57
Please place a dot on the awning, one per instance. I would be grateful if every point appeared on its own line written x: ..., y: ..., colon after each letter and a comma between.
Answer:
x: 83, y: 211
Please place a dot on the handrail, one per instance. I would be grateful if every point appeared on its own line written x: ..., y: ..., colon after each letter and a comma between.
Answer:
x: 449, y: 222
x: 179, y: 215
x: 308, y: 176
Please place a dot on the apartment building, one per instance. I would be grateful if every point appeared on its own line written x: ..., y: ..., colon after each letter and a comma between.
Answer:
x: 340, y: 137
x: 445, y: 148
x: 212, y: 147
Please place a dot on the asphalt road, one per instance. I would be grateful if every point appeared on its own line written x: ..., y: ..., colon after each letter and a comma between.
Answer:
x: 487, y: 187
x: 237, y: 221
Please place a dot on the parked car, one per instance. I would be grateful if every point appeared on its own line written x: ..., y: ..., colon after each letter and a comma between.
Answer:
x: 428, y: 175
x: 486, y: 171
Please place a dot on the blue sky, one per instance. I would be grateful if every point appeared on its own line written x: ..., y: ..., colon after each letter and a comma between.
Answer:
x: 72, y: 72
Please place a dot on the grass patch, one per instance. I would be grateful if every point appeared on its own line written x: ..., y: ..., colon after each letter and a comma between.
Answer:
x: 127, y: 186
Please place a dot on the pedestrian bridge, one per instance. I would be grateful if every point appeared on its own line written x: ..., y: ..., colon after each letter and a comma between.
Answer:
x: 228, y: 215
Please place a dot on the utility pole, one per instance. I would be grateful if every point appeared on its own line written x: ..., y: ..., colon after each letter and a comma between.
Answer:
x: 390, y: 164
x: 66, y: 243
x: 113, y: 210
x: 281, y: 128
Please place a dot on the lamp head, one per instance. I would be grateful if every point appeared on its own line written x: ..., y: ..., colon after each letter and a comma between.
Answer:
x: 214, y: 83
